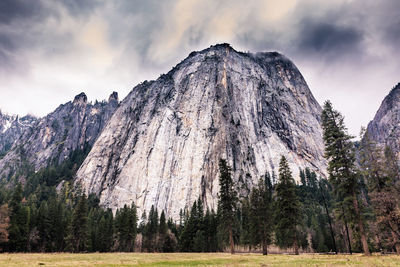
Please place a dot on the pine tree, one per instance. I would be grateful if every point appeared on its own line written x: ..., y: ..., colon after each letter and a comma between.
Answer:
x: 189, y: 230
x: 126, y: 227
x: 339, y: 151
x: 324, y: 198
x: 58, y: 215
x: 288, y: 213
x: 143, y: 222
x: 79, y: 226
x: 132, y: 226
x: 106, y: 231
x: 19, y: 222
x: 142, y: 228
x: 377, y: 167
x: 261, y: 210
x: 316, y: 211
x: 44, y: 227
x: 151, y: 230
x: 93, y: 230
x: 162, y: 228
x: 245, y: 219
x: 162, y: 231
x: 227, y: 200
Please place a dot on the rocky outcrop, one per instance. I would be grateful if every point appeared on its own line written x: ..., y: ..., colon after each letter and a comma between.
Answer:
x: 162, y: 145
x: 51, y: 139
x: 385, y: 127
x: 11, y: 128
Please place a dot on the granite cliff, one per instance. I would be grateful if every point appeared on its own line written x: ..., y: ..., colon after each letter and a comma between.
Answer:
x: 385, y: 127
x: 11, y: 128
x: 51, y: 139
x: 162, y: 145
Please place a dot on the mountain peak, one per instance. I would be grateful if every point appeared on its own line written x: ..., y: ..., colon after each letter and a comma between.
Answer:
x: 392, y: 99
x: 161, y: 145
x: 383, y: 128
x: 217, y: 47
x: 113, y: 97
x: 395, y: 89
x: 220, y: 46
x: 81, y: 98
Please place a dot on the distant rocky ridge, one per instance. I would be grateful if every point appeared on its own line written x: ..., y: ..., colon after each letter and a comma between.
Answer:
x: 52, y: 138
x: 385, y: 127
x: 11, y: 128
x: 162, y: 145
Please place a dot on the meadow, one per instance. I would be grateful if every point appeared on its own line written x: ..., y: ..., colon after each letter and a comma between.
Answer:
x: 193, y: 259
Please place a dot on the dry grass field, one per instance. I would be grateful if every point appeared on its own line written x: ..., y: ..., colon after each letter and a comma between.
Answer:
x: 195, y: 259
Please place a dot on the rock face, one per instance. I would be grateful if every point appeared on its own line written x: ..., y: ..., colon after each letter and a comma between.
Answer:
x: 385, y: 127
x: 51, y: 139
x: 163, y: 144
x: 11, y: 128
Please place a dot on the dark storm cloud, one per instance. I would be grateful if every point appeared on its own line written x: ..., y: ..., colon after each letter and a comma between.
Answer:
x: 6, y: 43
x: 11, y: 10
x: 6, y: 50
x: 328, y: 40
x: 392, y: 33
x: 323, y: 34
x: 10, y: 60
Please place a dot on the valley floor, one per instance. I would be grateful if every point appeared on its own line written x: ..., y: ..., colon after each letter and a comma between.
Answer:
x: 193, y: 259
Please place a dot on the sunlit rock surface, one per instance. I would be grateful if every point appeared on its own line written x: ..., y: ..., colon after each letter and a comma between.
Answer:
x: 162, y: 145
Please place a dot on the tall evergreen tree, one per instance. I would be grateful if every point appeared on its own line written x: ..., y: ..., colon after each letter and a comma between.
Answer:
x: 106, y: 231
x: 78, y: 234
x: 151, y: 230
x: 58, y: 215
x: 189, y: 230
x: 288, y: 213
x: 44, y: 227
x: 261, y: 205
x: 339, y: 151
x: 162, y: 228
x: 227, y: 200
x: 380, y: 172
x: 162, y: 232
x: 324, y: 197
x: 126, y: 227
x: 245, y: 223
x: 19, y: 222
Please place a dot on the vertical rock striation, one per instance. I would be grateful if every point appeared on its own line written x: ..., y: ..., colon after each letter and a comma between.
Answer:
x: 162, y: 145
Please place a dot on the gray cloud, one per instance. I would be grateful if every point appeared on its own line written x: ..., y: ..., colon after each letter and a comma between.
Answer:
x: 392, y: 33
x: 59, y: 48
x: 329, y: 40
x: 80, y: 7
x: 11, y: 10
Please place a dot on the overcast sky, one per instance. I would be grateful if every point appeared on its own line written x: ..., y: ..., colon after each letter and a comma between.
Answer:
x: 348, y: 51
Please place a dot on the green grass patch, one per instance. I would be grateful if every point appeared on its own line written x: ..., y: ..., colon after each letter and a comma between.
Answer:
x: 192, y: 259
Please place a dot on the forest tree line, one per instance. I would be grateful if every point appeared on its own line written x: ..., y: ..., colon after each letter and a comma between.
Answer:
x: 355, y: 210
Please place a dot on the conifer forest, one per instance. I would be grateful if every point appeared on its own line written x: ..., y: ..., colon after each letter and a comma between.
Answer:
x: 354, y: 209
